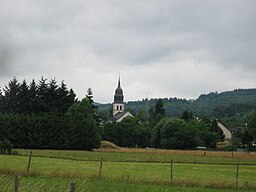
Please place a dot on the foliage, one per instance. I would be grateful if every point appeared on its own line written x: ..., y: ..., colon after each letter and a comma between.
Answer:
x: 214, y: 105
x: 47, y: 116
x: 5, y: 147
x: 187, y: 115
x: 83, y: 133
x: 177, y: 134
x: 128, y: 133
x: 174, y: 133
x: 156, y: 135
x: 251, y: 126
x: 159, y: 107
x: 36, y: 98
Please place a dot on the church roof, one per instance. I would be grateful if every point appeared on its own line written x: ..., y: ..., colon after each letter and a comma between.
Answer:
x: 119, y: 90
x: 119, y: 115
x: 119, y: 97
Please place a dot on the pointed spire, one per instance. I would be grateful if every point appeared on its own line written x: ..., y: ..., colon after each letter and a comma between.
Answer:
x: 119, y: 97
x: 119, y: 84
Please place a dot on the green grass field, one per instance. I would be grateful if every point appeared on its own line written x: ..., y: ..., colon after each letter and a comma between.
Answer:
x: 148, y: 156
x: 49, y: 184
x: 53, y: 170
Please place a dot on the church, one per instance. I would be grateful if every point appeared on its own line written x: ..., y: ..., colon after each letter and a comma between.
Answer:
x: 118, y: 106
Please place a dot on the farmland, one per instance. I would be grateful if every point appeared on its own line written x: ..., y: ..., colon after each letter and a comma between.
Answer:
x: 129, y: 169
x: 149, y: 155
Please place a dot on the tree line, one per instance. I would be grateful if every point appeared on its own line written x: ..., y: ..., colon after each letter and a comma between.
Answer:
x: 46, y: 115
x: 154, y: 129
x: 41, y: 97
x: 226, y: 105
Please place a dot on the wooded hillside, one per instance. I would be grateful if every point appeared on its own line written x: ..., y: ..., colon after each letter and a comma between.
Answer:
x: 219, y: 105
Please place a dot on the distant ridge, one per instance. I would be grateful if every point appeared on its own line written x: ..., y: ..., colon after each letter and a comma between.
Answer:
x: 213, y: 104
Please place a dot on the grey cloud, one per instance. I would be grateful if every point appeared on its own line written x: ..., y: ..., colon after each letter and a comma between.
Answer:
x: 48, y: 37
x: 5, y: 57
x: 135, y: 33
x: 138, y: 34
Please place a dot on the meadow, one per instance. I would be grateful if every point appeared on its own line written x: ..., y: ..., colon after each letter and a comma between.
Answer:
x: 129, y: 170
x: 149, y: 155
x: 49, y: 184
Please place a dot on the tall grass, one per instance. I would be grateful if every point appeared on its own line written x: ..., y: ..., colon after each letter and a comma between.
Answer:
x: 48, y: 184
x: 184, y: 174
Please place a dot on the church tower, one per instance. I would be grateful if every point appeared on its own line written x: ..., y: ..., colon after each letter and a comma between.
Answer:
x: 118, y: 105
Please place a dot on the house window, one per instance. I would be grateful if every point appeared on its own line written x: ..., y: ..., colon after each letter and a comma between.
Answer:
x: 121, y: 107
x: 117, y: 107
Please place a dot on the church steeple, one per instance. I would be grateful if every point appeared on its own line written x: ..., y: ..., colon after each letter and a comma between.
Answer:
x: 118, y: 105
x: 119, y: 84
x: 119, y: 97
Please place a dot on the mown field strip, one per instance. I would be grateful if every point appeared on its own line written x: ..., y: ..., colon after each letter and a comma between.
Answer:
x: 57, y: 184
x: 191, y: 174
x: 138, y: 155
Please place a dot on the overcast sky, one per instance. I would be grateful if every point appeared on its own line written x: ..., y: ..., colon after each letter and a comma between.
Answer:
x: 162, y: 48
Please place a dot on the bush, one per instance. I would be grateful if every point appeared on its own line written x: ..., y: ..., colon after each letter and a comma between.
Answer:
x: 6, y: 147
x: 173, y: 133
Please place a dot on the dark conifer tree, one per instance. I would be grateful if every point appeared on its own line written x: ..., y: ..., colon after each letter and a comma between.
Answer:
x: 94, y: 108
x: 251, y: 126
x: 33, y: 98
x: 89, y: 96
x: 34, y: 116
x: 65, y: 98
x: 11, y: 96
x: 159, y: 112
x: 1, y: 101
x: 71, y: 97
x: 187, y: 115
x: 84, y: 133
x: 52, y: 96
x: 159, y: 108
x: 23, y: 97
x: 42, y: 95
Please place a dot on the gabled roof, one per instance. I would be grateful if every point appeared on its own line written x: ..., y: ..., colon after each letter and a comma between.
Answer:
x: 120, y: 115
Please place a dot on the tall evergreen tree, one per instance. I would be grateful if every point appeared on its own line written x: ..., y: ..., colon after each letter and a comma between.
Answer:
x: 1, y: 101
x: 187, y: 115
x: 159, y: 112
x: 94, y: 108
x: 84, y: 133
x: 23, y: 97
x: 11, y: 96
x: 251, y: 126
x: 159, y: 108
x: 89, y: 96
x: 42, y: 95
x: 33, y: 98
x: 64, y: 102
x: 52, y: 96
x: 71, y: 98
x: 25, y: 119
